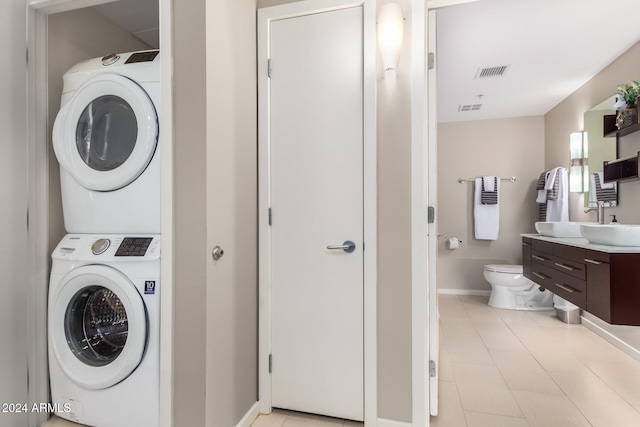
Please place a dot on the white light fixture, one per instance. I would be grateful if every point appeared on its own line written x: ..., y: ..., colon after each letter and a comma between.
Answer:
x: 579, y: 172
x: 390, y: 29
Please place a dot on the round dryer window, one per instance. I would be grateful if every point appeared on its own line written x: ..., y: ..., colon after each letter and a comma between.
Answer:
x: 97, y: 326
x: 107, y: 133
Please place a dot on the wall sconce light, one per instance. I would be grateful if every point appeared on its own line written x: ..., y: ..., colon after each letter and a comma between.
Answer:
x: 579, y: 167
x: 390, y: 29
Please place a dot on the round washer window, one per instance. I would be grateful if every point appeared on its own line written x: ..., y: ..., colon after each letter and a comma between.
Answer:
x: 106, y: 133
x: 96, y: 325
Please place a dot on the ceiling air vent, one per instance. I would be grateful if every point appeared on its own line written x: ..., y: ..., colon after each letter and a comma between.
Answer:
x: 469, y: 107
x: 491, y: 71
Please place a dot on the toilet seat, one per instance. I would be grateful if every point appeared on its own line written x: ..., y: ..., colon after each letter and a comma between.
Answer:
x: 504, y: 268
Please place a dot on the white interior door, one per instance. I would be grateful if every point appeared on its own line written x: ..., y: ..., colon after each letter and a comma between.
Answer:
x: 316, y: 201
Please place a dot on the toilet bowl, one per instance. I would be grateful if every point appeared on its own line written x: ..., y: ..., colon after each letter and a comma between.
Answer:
x: 511, y: 290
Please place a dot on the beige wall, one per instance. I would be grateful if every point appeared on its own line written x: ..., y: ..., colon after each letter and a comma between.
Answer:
x: 73, y: 37
x: 14, y: 283
x: 232, y: 286
x: 505, y: 148
x: 215, y: 198
x: 567, y: 117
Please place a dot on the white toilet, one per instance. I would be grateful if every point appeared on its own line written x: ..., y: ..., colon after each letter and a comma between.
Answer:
x: 511, y: 290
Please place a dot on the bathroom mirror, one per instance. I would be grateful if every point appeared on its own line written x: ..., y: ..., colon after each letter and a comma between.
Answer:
x: 601, y: 149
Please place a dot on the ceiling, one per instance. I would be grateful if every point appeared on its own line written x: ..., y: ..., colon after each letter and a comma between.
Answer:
x: 139, y: 17
x: 550, y: 48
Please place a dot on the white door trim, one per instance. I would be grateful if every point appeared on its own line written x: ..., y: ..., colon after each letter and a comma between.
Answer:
x: 265, y: 16
x: 420, y: 261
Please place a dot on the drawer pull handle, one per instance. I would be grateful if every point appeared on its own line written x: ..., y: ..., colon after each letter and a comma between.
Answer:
x: 526, y: 244
x: 539, y: 258
x: 566, y: 267
x: 541, y: 276
x: 592, y: 261
x: 566, y: 288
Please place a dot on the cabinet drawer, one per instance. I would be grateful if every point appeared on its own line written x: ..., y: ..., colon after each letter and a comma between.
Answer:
x: 541, y: 257
x: 596, y: 258
x: 542, y: 246
x: 564, y: 285
x: 573, y: 268
x: 570, y: 288
x: 569, y: 252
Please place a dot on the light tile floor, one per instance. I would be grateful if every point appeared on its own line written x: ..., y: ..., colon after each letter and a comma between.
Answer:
x: 523, y: 368
x: 504, y: 368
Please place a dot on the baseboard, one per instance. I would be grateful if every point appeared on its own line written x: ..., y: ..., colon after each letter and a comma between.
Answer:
x: 464, y: 292
x: 249, y: 417
x: 392, y: 423
x: 617, y: 342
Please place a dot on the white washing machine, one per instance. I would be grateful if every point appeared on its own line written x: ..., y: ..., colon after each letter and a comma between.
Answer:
x: 104, y: 330
x: 106, y: 139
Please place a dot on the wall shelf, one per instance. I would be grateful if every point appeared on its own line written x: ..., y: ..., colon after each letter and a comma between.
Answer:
x: 611, y: 130
x: 624, y: 169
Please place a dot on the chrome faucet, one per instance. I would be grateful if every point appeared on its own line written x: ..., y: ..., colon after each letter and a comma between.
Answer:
x: 599, y: 212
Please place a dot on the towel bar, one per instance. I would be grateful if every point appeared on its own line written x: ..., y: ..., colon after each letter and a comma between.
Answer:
x: 460, y: 180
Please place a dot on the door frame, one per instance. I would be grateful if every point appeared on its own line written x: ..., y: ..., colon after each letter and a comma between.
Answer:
x: 265, y: 16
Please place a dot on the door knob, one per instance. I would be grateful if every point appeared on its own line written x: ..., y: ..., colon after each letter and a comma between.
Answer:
x: 217, y: 253
x: 348, y: 246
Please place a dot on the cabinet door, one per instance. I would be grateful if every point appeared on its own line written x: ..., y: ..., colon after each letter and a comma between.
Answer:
x: 598, y: 285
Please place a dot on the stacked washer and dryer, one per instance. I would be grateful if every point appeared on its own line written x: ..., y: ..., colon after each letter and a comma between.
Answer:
x: 104, y: 291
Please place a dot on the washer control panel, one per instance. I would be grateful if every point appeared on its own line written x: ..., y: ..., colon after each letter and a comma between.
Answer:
x: 115, y: 247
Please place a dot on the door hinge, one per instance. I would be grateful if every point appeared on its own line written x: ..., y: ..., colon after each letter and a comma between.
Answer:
x: 269, y: 216
x: 432, y: 368
x: 269, y: 67
x: 431, y: 61
x: 270, y: 363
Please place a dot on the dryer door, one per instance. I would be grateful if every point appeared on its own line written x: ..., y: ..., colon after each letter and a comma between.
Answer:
x: 97, y: 326
x: 107, y: 133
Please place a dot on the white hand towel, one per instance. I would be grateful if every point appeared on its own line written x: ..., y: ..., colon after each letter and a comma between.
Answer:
x: 486, y: 217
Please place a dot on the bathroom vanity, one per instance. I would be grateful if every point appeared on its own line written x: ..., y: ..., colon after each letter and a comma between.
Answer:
x: 603, y: 280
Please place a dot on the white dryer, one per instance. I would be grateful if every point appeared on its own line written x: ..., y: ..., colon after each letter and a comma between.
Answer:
x: 106, y: 138
x: 104, y: 330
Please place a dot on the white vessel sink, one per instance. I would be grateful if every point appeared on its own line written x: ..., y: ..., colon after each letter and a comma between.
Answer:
x: 612, y: 234
x: 560, y: 228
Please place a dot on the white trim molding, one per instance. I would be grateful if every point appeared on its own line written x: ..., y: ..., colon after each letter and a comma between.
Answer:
x: 464, y: 292
x: 391, y: 423
x: 250, y: 416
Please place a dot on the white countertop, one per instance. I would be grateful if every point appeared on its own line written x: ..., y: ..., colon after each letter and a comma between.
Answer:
x: 584, y: 243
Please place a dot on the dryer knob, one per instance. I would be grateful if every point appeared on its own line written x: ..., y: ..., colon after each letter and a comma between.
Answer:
x: 100, y: 245
x: 109, y: 59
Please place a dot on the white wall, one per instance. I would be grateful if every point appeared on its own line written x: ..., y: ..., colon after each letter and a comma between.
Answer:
x: 13, y: 212
x: 504, y: 148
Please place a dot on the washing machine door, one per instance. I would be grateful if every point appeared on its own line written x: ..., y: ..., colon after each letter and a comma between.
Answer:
x: 107, y: 133
x: 98, y: 326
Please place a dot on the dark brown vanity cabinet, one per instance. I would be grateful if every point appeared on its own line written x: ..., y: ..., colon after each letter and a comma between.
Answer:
x: 606, y: 285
